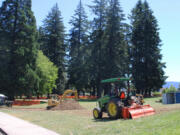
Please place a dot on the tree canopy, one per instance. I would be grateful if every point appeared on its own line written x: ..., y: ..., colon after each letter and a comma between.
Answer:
x: 147, y: 68
x: 48, y: 74
x: 19, y: 34
x: 78, y: 49
x: 53, y: 44
x: 92, y: 50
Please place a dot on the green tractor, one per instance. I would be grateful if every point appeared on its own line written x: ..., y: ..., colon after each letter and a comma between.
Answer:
x: 121, y: 103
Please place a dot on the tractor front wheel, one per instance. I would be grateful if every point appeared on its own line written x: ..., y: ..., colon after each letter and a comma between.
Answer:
x: 97, y: 113
x: 113, y: 110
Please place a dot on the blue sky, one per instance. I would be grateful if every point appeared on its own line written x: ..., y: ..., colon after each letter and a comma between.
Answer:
x: 166, y: 12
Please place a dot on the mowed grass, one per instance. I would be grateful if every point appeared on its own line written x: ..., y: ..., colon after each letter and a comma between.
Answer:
x: 81, y: 122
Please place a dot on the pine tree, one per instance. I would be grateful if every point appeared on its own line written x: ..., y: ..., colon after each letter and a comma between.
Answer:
x: 78, y: 46
x: 41, y: 39
x: 97, y: 38
x: 53, y: 44
x: 147, y: 67
x: 18, y: 27
x: 115, y: 50
x: 4, y: 61
x: 128, y: 43
x: 4, y: 57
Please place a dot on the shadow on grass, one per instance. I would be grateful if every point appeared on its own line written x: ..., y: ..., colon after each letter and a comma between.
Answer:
x: 107, y: 119
x: 43, y: 102
x: 87, y: 100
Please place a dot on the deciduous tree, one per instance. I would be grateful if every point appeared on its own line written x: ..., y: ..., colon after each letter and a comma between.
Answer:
x: 48, y: 74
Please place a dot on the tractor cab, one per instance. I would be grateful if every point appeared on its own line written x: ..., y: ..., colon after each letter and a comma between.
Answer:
x: 118, y: 90
x: 120, y: 101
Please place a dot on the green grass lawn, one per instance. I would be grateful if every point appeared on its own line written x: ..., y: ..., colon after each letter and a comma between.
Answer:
x: 82, y: 123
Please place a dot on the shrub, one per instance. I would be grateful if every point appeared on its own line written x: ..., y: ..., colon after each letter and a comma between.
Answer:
x: 157, y: 94
x: 169, y: 90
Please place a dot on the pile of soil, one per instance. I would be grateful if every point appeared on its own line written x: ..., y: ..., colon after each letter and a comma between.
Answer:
x: 68, y: 105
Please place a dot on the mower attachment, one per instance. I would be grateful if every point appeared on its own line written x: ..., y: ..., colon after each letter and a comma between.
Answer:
x: 140, y: 111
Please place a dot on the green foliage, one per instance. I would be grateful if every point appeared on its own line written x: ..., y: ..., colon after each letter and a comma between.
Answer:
x: 115, y: 50
x: 170, y: 89
x: 78, y: 49
x: 19, y: 43
x: 52, y: 40
x: 109, y: 51
x: 48, y: 74
x: 97, y: 39
x: 147, y: 68
x: 114, y: 39
x: 157, y: 94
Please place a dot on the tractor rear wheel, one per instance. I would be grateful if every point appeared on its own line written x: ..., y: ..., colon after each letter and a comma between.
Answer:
x: 113, y: 110
x: 97, y: 113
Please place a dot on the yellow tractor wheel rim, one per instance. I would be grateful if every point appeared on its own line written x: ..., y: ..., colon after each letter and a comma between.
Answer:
x: 112, y: 109
x: 96, y: 113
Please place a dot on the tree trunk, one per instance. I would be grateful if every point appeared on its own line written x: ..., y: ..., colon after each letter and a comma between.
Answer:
x: 37, y: 95
x: 149, y: 93
x: 107, y: 89
x: 94, y: 91
x: 48, y: 96
x: 138, y: 91
x: 83, y: 93
x: 99, y: 91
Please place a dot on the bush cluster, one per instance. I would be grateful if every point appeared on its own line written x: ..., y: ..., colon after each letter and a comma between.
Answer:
x: 157, y: 94
x: 169, y: 90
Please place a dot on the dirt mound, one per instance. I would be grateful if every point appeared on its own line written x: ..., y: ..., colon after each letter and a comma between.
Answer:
x: 68, y: 105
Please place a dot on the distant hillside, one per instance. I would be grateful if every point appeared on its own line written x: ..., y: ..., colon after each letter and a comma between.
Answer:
x: 168, y: 84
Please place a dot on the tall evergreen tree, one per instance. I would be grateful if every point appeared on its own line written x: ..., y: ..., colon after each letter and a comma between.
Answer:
x: 78, y: 47
x: 53, y: 44
x: 97, y: 38
x: 18, y: 27
x: 115, y: 50
x: 41, y: 39
x: 128, y: 35
x: 147, y: 67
